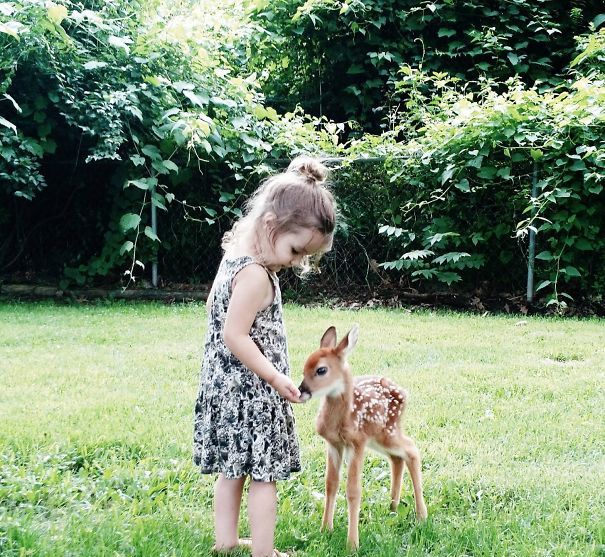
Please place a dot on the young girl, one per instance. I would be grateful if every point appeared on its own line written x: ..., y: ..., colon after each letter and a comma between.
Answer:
x: 244, y: 425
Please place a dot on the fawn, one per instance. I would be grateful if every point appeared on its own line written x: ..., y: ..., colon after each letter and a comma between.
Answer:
x: 358, y: 412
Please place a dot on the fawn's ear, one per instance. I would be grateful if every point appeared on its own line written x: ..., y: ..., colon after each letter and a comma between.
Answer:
x: 329, y: 338
x: 349, y: 341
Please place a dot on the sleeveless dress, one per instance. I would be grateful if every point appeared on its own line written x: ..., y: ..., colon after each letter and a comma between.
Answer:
x: 242, y: 426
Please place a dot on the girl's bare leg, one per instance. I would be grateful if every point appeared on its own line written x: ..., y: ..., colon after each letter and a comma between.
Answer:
x: 227, y: 502
x: 262, y: 509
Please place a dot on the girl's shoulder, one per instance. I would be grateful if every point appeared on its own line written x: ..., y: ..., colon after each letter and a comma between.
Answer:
x: 253, y: 282
x: 240, y: 260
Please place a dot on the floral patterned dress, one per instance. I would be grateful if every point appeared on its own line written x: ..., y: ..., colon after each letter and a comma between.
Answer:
x: 242, y: 426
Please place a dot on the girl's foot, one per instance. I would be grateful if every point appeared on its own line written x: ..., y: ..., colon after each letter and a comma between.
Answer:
x: 243, y: 543
x: 246, y: 543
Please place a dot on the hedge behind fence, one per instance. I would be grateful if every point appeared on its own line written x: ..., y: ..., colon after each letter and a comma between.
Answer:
x: 104, y: 116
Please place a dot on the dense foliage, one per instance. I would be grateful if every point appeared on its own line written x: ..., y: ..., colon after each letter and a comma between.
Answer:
x: 114, y: 117
x: 462, y: 189
x: 341, y: 57
x: 113, y: 110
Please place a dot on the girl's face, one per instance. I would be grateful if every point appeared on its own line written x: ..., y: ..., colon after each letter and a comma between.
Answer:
x: 290, y: 247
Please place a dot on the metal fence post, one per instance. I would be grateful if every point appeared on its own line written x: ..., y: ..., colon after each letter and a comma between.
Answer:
x: 532, y: 238
x: 154, y: 227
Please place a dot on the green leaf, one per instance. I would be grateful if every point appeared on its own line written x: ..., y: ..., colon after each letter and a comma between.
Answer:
x: 170, y: 166
x: 476, y: 162
x: 12, y: 28
x: 578, y: 166
x: 598, y: 21
x: 226, y: 197
x: 436, y: 238
x: 487, y: 172
x: 463, y: 185
x: 128, y: 221
x: 126, y: 247
x: 157, y: 200
x: 571, y: 272
x: 94, y: 64
x: 417, y: 254
x: 545, y: 256
x: 137, y: 160
x: 543, y: 284
x: 536, y: 154
x: 426, y: 273
x: 450, y: 257
x: 151, y: 234
x: 152, y: 151
x: 447, y: 173
x: 583, y: 244
x: 4, y: 122
x: 241, y: 123
x: 448, y: 277
x: 120, y: 42
x: 56, y: 13
x: 17, y: 107
x: 445, y: 32
x: 355, y: 69
x: 196, y: 99
x: 142, y: 183
x: 181, y: 86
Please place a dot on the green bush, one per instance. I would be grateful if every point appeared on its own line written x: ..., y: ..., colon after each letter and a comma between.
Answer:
x: 340, y: 58
x: 465, y: 183
x: 113, y: 114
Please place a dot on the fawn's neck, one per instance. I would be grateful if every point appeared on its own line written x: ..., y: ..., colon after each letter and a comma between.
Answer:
x: 335, y: 416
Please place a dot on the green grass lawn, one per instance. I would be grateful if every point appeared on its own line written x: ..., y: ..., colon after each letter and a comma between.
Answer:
x: 96, y: 417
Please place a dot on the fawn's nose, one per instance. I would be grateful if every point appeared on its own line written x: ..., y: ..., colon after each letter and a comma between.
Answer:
x: 305, y: 393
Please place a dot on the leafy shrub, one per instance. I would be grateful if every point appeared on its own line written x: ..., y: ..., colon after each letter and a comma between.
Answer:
x: 340, y: 58
x: 116, y: 116
x: 465, y: 185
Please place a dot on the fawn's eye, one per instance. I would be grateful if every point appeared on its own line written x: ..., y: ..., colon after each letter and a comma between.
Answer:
x: 321, y: 370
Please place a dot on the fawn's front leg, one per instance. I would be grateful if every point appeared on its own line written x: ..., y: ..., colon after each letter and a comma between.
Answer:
x: 333, y: 463
x: 354, y: 495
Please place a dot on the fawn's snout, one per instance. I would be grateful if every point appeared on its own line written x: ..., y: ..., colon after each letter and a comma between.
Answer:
x: 305, y: 392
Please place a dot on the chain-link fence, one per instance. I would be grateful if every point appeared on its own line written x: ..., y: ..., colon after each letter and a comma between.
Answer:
x: 350, y: 268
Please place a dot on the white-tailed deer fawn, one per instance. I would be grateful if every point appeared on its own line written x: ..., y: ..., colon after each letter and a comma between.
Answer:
x: 358, y: 412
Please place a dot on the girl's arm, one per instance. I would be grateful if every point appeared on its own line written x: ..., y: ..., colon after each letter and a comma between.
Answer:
x: 210, y: 298
x: 252, y: 291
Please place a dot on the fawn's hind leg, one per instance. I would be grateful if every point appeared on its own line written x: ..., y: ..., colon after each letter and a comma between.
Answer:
x: 414, y: 464
x: 407, y: 449
x: 397, y: 464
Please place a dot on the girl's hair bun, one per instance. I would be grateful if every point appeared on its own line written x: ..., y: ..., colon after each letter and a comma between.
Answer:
x: 308, y: 167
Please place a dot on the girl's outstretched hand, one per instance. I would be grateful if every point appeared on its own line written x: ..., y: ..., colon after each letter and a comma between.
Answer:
x: 285, y: 387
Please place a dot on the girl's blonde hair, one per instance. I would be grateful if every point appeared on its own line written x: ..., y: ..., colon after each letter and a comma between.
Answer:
x: 298, y: 197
